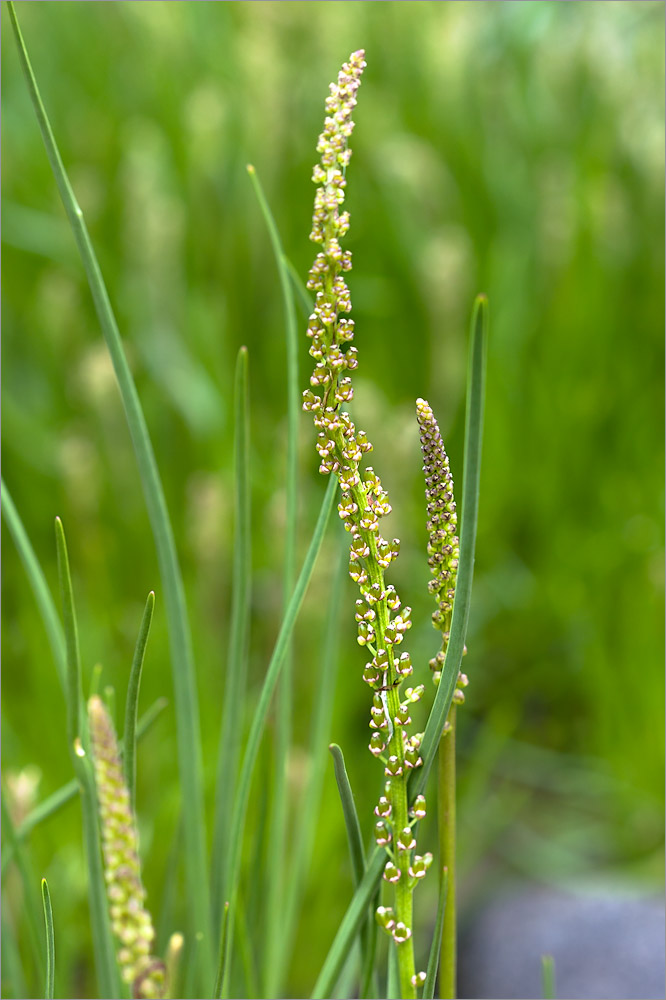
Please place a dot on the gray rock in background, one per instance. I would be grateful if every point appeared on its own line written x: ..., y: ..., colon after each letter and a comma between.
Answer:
x: 606, y: 945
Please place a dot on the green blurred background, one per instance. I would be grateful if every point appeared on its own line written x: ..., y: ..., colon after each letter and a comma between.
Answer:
x: 511, y: 148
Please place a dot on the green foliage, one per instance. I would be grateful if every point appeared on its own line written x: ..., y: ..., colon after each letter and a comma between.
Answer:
x: 516, y: 148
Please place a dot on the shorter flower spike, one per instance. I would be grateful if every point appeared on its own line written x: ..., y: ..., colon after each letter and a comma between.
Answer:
x: 130, y: 920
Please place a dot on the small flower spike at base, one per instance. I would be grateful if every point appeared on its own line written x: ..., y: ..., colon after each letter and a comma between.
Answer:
x: 130, y: 920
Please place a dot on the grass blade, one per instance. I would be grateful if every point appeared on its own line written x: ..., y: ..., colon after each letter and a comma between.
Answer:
x: 105, y: 959
x: 433, y: 958
x: 223, y: 951
x: 357, y: 854
x: 434, y: 727
x: 277, y: 828
x: 37, y: 581
x: 50, y: 941
x: 302, y: 294
x: 132, y: 703
x: 187, y: 714
x: 74, y: 689
x: 548, y: 977
x: 352, y: 824
x: 234, y: 691
x: 304, y: 835
x: 470, y: 510
x: 393, y: 975
x: 258, y: 722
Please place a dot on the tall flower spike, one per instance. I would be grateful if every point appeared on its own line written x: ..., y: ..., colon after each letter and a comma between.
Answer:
x: 443, y: 544
x: 363, y: 503
x: 130, y: 919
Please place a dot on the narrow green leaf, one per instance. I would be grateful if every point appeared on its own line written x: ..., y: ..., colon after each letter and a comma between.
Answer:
x: 187, y: 713
x: 103, y: 946
x: 259, y: 720
x: 548, y: 977
x: 236, y: 673
x: 308, y: 811
x: 470, y: 509
x: 132, y: 702
x: 37, y: 581
x: 352, y: 825
x: 50, y: 941
x: 433, y: 958
x: 357, y: 854
x: 302, y: 294
x: 74, y: 691
x: 277, y: 835
x: 174, y: 958
x: 352, y: 919
x: 393, y: 975
x: 223, y: 951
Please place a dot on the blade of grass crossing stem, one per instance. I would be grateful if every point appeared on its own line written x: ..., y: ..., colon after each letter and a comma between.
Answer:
x: 435, y: 725
x: 302, y: 294
x: 548, y: 977
x: 433, y: 958
x: 446, y: 836
x: 103, y: 946
x: 308, y: 811
x: 132, y: 701
x: 37, y: 581
x: 187, y: 713
x: 393, y: 975
x: 50, y: 941
x: 28, y: 884
x: 277, y: 827
x: 259, y: 720
x: 470, y: 509
x: 234, y: 689
x: 356, y: 851
x: 63, y: 795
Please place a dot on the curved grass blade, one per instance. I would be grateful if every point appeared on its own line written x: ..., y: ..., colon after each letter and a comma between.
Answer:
x: 277, y: 833
x: 357, y: 854
x: 37, y: 581
x: 223, y: 951
x: 103, y: 946
x: 234, y: 691
x: 352, y: 825
x: 187, y: 714
x: 393, y: 975
x: 258, y: 722
x: 304, y: 835
x: 302, y: 294
x: 470, y: 502
x: 433, y: 958
x: 132, y: 703
x: 50, y: 941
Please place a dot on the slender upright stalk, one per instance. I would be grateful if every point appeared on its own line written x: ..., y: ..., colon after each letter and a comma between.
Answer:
x: 50, y: 941
x: 446, y: 822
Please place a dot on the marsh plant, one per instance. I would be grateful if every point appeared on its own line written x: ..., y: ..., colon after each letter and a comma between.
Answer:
x: 204, y: 962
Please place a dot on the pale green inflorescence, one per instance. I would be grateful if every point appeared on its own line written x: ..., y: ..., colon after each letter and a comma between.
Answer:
x: 130, y: 920
x: 443, y: 544
x: 382, y: 622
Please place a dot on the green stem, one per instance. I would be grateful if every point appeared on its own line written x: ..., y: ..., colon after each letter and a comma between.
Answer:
x: 446, y: 821
x: 50, y: 941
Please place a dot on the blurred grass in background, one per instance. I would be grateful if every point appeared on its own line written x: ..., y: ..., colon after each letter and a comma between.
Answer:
x: 511, y: 148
